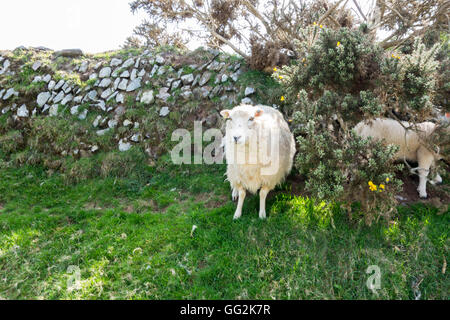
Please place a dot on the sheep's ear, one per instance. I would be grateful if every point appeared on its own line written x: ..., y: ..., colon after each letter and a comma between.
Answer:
x: 225, y: 113
x: 258, y: 113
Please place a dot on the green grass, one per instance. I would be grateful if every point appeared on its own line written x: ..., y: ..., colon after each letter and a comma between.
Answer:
x: 131, y: 239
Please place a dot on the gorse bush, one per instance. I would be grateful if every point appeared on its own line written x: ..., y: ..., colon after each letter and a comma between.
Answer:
x: 341, y: 78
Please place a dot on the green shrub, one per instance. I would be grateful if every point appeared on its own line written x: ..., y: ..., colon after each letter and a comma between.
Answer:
x: 11, y: 142
x: 130, y: 164
x: 340, y: 78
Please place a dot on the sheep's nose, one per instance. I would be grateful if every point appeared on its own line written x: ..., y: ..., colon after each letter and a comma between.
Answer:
x: 236, y: 138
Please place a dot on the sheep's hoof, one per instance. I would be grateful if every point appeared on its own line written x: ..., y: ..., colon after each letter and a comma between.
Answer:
x: 262, y: 215
x: 423, y: 195
x: 236, y: 216
x: 437, y: 180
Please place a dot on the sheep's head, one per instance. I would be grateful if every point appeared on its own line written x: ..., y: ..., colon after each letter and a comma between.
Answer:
x: 241, y: 123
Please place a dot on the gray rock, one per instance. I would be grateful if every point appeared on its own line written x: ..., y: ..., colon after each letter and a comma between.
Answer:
x: 159, y: 60
x: 46, y: 107
x: 92, y: 95
x: 6, y: 65
x: 115, y: 62
x: 164, y: 111
x: 205, y: 78
x: 116, y: 83
x: 128, y: 63
x: 249, y: 91
x: 136, y: 137
x: 196, y: 80
x: 112, y: 96
x: 163, y: 93
x: 83, y: 115
x: 186, y: 94
x: 141, y: 73
x: 59, y: 85
x: 66, y: 88
x: 59, y: 97
x: 202, y: 92
x: 120, y: 98
x: 93, y: 76
x: 51, y: 85
x: 98, y: 65
x: 42, y: 98
x: 188, y: 78
x: 10, y: 92
x: 154, y: 70
x: 67, y: 99
x: 96, y: 121
x: 105, y: 72
x: 133, y: 85
x: 37, y: 79
x: 105, y: 94
x: 133, y: 74
x: 112, y: 123
x: 53, y: 111
x: 148, y: 97
x: 127, y: 123
x: 103, y: 132
x: 105, y: 83
x: 123, y: 84
x: 176, y: 84
x: 115, y: 73
x: 47, y: 78
x: 84, y: 66
x: 124, y: 146
x: 235, y: 76
x: 23, y: 112
x: 70, y: 53
x: 224, y: 78
x: 161, y: 71
x: 125, y: 74
x: 36, y: 65
x: 2, y: 91
x: 247, y: 101
x: 74, y: 110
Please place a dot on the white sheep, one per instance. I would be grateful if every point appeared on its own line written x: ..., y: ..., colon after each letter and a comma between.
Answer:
x: 259, y: 150
x: 411, y: 148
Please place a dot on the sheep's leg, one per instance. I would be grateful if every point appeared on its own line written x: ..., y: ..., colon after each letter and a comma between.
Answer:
x: 235, y: 194
x: 238, y: 212
x: 425, y: 159
x: 262, y: 202
x: 437, y: 179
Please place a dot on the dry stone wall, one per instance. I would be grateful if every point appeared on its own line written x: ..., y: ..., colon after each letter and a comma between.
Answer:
x: 126, y: 95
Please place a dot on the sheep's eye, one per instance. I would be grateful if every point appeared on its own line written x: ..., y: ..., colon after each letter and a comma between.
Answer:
x: 228, y: 119
x: 251, y: 119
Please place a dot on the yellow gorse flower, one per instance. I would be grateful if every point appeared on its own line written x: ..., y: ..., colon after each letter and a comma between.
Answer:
x: 282, y: 98
x: 321, y: 26
x: 338, y: 43
x: 372, y: 187
x: 280, y: 77
x: 387, y: 179
x: 395, y: 57
x: 275, y: 69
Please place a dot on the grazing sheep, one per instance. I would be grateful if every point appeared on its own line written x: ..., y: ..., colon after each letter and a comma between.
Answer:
x: 259, y: 149
x: 392, y: 132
